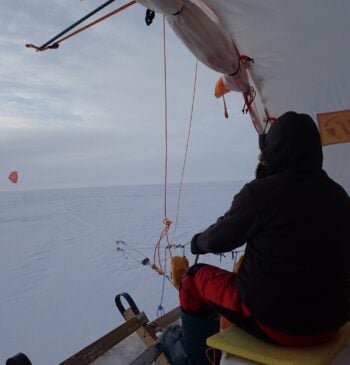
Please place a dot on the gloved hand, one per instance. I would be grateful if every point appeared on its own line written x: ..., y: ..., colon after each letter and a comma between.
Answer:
x: 194, y: 249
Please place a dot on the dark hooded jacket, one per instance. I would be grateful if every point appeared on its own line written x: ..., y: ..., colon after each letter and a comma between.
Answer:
x: 295, y: 222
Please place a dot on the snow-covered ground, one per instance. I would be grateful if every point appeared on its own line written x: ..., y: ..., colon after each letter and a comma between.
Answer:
x: 60, y: 271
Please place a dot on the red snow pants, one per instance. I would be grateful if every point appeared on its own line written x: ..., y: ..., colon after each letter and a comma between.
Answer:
x: 208, y: 288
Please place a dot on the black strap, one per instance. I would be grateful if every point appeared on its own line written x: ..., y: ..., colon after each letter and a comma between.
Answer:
x: 120, y: 306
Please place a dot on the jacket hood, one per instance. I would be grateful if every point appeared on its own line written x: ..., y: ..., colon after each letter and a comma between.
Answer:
x: 293, y: 141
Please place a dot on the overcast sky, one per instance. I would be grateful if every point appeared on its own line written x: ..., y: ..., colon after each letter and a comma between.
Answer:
x: 92, y: 113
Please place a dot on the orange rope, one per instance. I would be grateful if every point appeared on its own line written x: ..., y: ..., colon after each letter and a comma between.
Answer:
x: 167, y: 222
x: 56, y: 44
x: 249, y: 97
x: 157, y: 264
x: 186, y: 151
x: 165, y: 120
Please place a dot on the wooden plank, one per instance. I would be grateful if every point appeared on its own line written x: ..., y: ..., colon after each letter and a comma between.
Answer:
x: 147, y: 336
x: 147, y: 332
x: 103, y: 344
x: 149, y: 355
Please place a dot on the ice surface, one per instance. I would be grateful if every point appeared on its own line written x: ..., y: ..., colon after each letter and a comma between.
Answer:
x: 60, y: 271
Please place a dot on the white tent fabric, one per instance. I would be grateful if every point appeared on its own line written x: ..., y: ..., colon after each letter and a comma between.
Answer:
x: 301, y: 53
x: 200, y: 30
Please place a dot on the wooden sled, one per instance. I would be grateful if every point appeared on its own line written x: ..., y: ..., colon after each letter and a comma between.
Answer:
x: 136, y: 322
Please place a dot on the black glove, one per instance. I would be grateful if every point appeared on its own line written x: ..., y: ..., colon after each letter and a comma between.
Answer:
x: 194, y: 249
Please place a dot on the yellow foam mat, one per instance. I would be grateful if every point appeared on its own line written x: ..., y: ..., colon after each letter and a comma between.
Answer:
x: 240, y: 343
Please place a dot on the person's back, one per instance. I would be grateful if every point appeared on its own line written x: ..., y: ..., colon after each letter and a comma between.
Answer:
x: 293, y: 285
x: 295, y: 274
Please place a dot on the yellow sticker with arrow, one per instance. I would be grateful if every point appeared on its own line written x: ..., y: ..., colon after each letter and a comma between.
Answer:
x: 334, y: 127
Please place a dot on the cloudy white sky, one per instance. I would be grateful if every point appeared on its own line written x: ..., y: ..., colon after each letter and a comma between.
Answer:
x: 91, y: 112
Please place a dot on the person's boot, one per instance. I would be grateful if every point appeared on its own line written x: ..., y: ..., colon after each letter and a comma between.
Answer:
x: 172, y: 346
x: 195, y: 331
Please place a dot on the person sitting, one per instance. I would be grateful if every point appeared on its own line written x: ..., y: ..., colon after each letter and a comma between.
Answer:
x: 293, y: 285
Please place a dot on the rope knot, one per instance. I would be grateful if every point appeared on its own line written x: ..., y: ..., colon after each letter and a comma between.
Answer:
x: 249, y: 97
x: 157, y: 269
x: 167, y: 222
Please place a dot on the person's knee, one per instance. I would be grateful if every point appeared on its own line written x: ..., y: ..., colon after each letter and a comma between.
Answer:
x: 187, y: 281
x: 188, y: 286
x: 191, y: 300
x: 194, y: 268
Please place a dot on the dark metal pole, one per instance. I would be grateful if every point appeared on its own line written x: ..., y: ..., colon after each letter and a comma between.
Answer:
x: 76, y: 23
